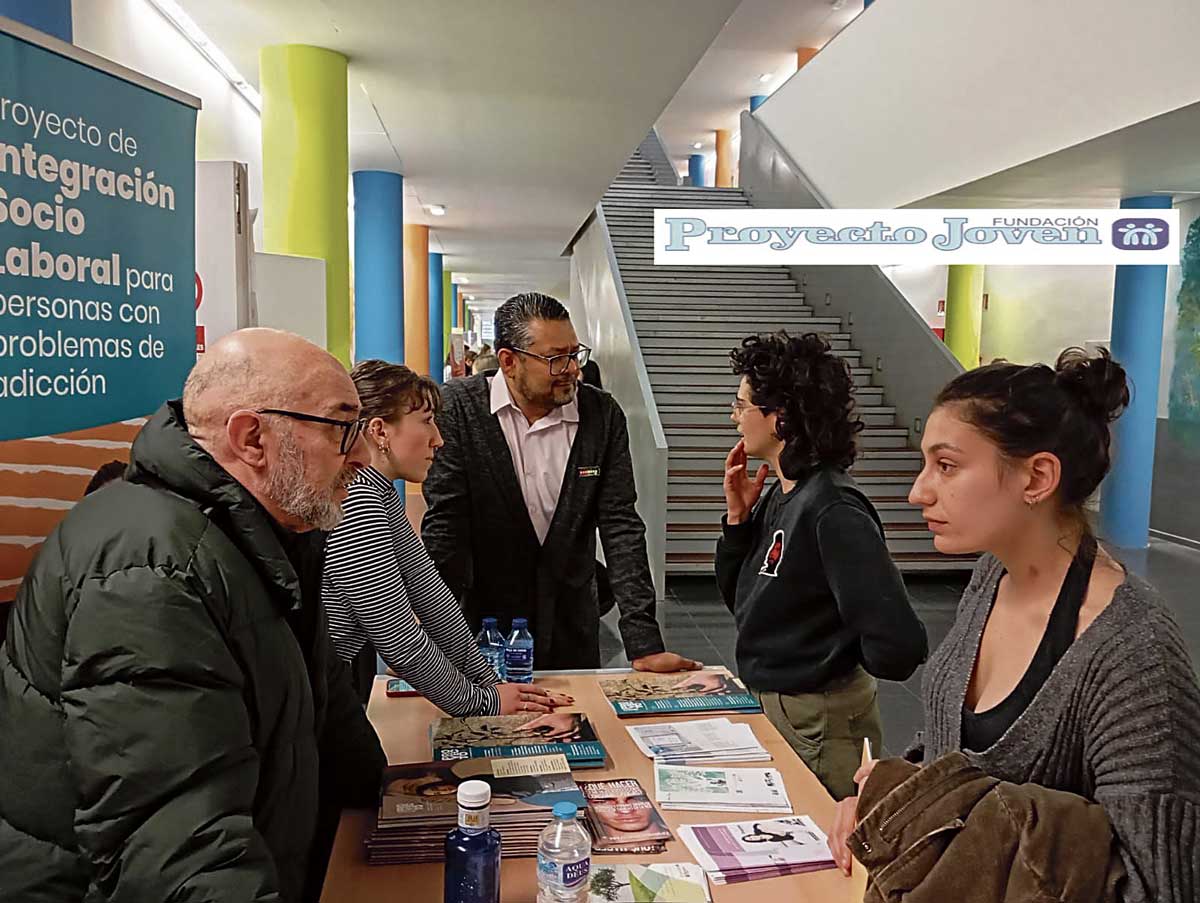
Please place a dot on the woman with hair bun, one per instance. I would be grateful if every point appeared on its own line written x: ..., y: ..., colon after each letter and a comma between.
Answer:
x: 1062, y: 669
x: 820, y: 607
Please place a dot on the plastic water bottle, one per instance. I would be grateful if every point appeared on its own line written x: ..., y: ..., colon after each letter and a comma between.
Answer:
x: 473, y: 849
x: 518, y: 654
x: 491, y: 643
x: 564, y: 858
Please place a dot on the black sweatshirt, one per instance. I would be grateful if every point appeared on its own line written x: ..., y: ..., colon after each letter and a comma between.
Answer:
x: 813, y: 589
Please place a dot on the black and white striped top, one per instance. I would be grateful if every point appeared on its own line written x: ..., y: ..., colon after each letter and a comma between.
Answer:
x: 381, y: 585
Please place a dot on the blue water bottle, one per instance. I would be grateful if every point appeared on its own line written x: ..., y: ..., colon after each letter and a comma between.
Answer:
x: 491, y: 643
x: 518, y: 654
x: 473, y: 849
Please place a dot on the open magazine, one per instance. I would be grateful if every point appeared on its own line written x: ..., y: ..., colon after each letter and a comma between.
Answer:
x: 763, y: 848
x: 642, y: 693
x: 494, y: 736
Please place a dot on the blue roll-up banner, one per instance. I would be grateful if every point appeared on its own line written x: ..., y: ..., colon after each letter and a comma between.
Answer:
x: 97, y: 239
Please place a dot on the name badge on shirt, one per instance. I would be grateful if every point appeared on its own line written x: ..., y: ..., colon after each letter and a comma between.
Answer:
x: 589, y: 471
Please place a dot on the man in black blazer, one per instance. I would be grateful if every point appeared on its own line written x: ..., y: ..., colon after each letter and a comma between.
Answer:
x: 533, y: 464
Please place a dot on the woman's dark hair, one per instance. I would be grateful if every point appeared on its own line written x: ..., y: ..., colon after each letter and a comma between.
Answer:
x: 811, y: 392
x: 1065, y: 411
x: 105, y: 474
x: 389, y: 391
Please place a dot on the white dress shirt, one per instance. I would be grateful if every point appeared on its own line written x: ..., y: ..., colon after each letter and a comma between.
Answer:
x: 539, y: 451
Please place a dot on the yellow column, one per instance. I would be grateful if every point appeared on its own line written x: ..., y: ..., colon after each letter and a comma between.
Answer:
x: 803, y: 55
x: 306, y: 170
x: 416, y: 298
x: 964, y: 313
x: 724, y: 159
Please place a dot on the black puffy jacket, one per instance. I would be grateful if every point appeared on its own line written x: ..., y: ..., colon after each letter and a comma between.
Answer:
x: 171, y: 713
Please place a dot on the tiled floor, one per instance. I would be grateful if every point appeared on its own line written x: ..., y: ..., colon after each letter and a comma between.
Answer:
x: 696, y: 623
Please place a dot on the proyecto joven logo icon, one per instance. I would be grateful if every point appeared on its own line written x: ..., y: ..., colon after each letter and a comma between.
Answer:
x: 1140, y: 234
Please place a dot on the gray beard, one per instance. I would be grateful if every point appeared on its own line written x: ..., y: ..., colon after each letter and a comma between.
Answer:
x: 287, y: 488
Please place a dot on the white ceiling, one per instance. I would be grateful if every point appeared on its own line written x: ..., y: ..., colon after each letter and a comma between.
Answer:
x: 1151, y: 157
x: 514, y: 114
x: 761, y: 38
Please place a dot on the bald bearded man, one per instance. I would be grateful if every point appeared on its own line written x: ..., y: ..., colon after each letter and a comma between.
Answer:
x: 171, y: 713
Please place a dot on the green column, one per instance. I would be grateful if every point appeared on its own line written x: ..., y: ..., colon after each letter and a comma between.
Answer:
x: 306, y: 170
x: 964, y: 312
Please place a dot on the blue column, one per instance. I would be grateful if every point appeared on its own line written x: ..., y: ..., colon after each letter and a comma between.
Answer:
x: 50, y: 16
x: 757, y: 100
x: 1139, y: 302
x: 454, y: 324
x: 696, y: 169
x: 379, y: 266
x: 437, y: 354
x: 867, y: 3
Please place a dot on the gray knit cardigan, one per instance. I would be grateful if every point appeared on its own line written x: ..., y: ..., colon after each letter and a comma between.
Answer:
x: 1117, y: 721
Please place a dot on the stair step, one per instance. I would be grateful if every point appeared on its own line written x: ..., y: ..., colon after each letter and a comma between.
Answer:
x: 710, y: 287
x: 726, y: 307
x: 703, y: 436
x: 838, y: 341
x: 721, y: 396
x: 746, y: 280
x: 681, y: 416
x: 690, y: 359
x: 748, y: 271
x: 670, y: 378
x: 823, y: 325
x: 894, y: 486
x: 751, y: 321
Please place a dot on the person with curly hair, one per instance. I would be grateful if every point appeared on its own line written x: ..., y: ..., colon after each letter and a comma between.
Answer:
x: 820, y: 608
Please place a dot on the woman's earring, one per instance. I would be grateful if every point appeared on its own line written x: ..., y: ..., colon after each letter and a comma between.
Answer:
x: 1030, y: 501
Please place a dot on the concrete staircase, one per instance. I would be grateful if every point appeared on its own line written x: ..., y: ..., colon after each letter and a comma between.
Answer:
x: 687, y: 319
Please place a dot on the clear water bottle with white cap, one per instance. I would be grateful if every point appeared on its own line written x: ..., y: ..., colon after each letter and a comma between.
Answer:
x: 473, y: 849
x: 518, y: 653
x: 564, y: 858
x: 491, y: 644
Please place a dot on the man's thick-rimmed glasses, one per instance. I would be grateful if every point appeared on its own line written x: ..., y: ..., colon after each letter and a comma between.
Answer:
x: 351, y: 429
x: 560, y: 363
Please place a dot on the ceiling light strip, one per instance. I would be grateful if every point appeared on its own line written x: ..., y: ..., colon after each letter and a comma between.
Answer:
x: 186, y: 26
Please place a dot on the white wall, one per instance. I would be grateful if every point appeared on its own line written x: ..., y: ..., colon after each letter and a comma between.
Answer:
x: 601, y: 311
x: 1035, y: 312
x: 917, y: 97
x: 923, y: 287
x: 134, y: 34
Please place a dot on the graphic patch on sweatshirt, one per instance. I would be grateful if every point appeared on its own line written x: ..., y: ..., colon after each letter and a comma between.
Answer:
x: 770, y: 565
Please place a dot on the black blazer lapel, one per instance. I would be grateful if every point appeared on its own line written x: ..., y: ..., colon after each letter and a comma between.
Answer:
x: 576, y: 493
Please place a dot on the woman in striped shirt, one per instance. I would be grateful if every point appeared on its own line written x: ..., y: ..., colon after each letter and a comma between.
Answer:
x: 380, y: 584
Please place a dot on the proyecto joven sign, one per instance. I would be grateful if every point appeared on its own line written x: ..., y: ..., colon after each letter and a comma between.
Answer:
x: 751, y: 236
x: 97, y: 239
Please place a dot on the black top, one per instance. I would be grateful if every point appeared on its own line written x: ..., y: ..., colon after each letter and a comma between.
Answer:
x: 814, y: 591
x: 981, y: 730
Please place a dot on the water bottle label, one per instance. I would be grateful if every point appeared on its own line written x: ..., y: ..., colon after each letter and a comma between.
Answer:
x: 518, y: 657
x: 576, y: 873
x: 567, y: 876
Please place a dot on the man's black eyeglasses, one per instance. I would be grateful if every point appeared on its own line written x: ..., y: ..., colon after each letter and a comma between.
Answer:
x: 560, y: 363
x: 351, y: 429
